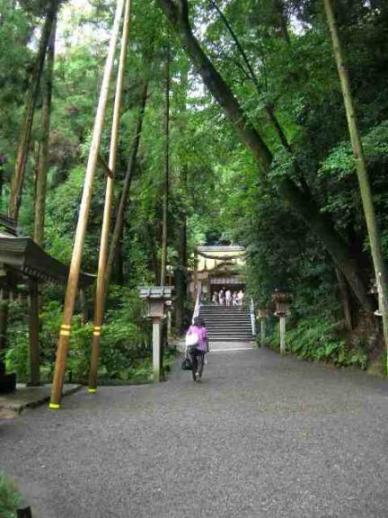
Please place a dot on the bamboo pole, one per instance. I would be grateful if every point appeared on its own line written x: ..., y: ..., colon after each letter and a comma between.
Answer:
x: 106, y: 223
x: 166, y: 169
x: 75, y: 266
x: 362, y: 175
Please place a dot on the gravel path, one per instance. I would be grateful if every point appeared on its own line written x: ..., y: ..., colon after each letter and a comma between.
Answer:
x: 262, y: 436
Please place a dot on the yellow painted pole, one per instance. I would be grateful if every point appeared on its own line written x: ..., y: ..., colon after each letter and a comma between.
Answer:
x: 106, y: 223
x: 75, y: 266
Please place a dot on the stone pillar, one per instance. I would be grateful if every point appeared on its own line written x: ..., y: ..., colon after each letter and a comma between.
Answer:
x: 169, y: 325
x: 262, y: 331
x: 282, y: 328
x: 156, y: 348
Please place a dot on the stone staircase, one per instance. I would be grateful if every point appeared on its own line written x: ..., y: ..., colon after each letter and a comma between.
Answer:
x: 228, y: 324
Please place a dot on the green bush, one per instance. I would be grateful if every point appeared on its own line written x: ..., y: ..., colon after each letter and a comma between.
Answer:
x: 17, y: 355
x: 9, y: 497
x: 125, y: 340
x: 316, y: 339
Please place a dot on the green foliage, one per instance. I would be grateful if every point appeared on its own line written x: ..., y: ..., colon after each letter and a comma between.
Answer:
x: 214, y: 181
x: 9, y: 497
x: 317, y: 339
x: 125, y: 341
x: 17, y: 353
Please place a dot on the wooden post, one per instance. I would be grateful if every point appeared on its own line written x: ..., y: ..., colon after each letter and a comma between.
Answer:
x: 34, y: 335
x: 262, y: 331
x: 362, y: 175
x: 106, y: 223
x: 282, y: 329
x: 156, y: 348
x: 75, y: 266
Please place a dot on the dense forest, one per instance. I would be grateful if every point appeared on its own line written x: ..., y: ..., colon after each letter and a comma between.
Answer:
x: 241, y: 101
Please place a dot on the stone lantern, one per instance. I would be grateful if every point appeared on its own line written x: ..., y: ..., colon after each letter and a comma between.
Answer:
x: 157, y: 298
x: 282, y: 300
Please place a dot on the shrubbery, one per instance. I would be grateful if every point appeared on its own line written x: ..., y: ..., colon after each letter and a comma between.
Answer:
x: 9, y: 497
x: 316, y: 339
x: 125, y: 341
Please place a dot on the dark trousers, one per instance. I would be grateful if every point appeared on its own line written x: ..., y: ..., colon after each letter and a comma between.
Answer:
x: 198, y: 361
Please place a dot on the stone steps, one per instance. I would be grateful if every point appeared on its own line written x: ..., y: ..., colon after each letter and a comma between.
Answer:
x: 227, y: 324
x: 225, y: 346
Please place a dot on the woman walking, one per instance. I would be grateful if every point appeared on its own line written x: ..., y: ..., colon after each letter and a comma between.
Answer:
x: 197, y: 334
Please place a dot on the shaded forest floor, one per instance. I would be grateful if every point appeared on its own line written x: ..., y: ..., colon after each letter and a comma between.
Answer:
x: 261, y: 436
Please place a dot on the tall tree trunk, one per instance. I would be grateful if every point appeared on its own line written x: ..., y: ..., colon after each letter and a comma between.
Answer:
x: 180, y: 274
x: 32, y: 96
x: 34, y: 334
x: 321, y: 225
x: 181, y: 268
x: 119, y: 220
x: 362, y: 174
x: 345, y: 299
x: 282, y: 18
x: 75, y: 265
x: 119, y: 259
x: 163, y: 267
x: 150, y: 236
x: 83, y: 303
x: 41, y: 177
x: 300, y: 200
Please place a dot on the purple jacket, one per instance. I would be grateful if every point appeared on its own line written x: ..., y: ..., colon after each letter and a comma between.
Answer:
x: 202, y: 335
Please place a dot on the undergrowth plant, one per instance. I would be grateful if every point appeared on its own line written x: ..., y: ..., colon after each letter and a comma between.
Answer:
x: 125, y: 341
x: 9, y: 497
x: 316, y: 339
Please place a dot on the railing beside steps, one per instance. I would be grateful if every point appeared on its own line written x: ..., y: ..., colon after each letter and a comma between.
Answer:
x: 197, y: 306
x: 252, y: 315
